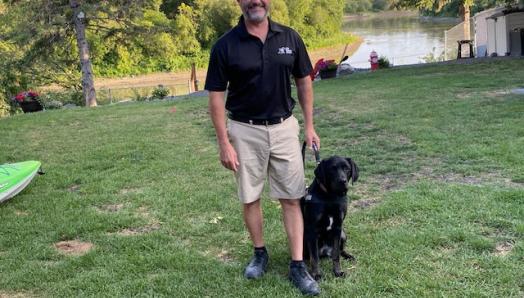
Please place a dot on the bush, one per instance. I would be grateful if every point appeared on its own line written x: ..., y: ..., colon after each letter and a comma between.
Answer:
x: 137, y: 96
x: 5, y: 108
x: 56, y: 99
x: 160, y: 92
x: 53, y: 105
x: 383, y: 62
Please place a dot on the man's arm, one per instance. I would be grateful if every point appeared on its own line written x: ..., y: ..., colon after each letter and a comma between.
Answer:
x: 228, y: 155
x: 305, y: 98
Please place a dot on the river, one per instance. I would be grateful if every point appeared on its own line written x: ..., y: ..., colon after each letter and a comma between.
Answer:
x: 403, y: 39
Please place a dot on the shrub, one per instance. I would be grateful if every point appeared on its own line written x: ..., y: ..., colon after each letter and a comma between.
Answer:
x: 137, y: 96
x: 56, y: 99
x: 160, y: 92
x: 383, y: 62
x: 53, y: 105
x: 5, y: 108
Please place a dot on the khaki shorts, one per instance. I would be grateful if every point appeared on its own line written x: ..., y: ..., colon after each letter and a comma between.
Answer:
x: 271, y: 151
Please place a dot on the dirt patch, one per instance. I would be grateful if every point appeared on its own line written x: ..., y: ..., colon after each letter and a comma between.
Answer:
x: 464, y: 95
x: 73, y: 247
x: 139, y: 230
x: 153, y: 224
x: 496, y: 93
x: 484, y: 178
x: 130, y: 191
x: 222, y: 255
x: 73, y: 188
x: 364, y: 203
x: 15, y: 295
x: 111, y: 208
x: 504, y: 248
x: 21, y: 213
x: 225, y: 256
x: 144, y: 212
x: 216, y: 220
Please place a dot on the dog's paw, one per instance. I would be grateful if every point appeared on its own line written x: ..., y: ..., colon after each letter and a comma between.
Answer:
x: 317, y: 276
x: 339, y: 273
x: 347, y: 256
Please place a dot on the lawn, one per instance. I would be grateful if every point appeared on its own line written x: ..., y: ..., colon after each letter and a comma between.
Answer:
x: 438, y: 210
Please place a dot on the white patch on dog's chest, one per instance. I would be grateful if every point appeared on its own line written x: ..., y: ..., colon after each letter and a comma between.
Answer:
x: 330, y: 224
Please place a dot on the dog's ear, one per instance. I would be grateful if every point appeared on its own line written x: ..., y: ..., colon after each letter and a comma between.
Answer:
x: 320, y: 172
x: 354, y: 170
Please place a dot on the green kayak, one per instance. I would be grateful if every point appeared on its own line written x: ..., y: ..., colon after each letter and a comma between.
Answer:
x: 15, y: 177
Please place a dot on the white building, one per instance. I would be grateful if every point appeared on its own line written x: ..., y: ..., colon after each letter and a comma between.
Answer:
x: 493, y: 31
x: 481, y: 29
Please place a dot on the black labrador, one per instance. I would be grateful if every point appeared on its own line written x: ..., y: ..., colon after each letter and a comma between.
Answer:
x: 324, y: 208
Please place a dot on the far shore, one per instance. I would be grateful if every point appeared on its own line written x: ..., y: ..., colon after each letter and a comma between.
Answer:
x: 382, y: 15
x: 180, y: 78
x: 335, y: 52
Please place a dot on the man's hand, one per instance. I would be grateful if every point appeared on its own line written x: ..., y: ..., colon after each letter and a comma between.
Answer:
x: 228, y: 156
x: 312, y: 137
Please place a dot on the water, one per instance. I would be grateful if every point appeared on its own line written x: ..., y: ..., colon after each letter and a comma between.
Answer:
x: 403, y: 39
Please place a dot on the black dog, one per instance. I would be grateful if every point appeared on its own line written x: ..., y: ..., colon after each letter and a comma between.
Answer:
x: 324, y: 208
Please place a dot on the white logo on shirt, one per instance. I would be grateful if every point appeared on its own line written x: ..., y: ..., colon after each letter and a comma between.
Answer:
x: 284, y: 51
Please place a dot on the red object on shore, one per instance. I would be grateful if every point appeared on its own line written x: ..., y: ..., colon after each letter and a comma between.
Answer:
x: 373, y: 59
x: 316, y: 69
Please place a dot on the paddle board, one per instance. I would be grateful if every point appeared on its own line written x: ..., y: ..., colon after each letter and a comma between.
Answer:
x: 15, y: 177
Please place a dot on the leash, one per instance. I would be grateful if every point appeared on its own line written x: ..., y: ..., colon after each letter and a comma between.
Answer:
x: 317, y: 160
x: 315, y: 150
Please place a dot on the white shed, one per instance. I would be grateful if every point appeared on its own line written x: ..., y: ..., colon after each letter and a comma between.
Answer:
x: 499, y: 26
x: 481, y: 30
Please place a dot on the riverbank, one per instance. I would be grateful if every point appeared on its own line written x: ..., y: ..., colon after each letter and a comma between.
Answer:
x: 181, y: 78
x: 383, y: 15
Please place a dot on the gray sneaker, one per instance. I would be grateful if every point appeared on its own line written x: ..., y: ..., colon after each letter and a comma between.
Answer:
x: 257, y: 266
x: 301, y: 278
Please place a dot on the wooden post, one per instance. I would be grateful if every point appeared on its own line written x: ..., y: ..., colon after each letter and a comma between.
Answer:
x: 194, y: 81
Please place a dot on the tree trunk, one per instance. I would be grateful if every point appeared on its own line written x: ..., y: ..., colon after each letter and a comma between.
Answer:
x: 465, y: 18
x: 88, y: 85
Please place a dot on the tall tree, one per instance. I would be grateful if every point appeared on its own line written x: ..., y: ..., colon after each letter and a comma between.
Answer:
x: 88, y: 84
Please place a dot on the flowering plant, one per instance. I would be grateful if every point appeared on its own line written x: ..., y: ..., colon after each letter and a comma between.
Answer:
x: 26, y: 96
x: 327, y: 65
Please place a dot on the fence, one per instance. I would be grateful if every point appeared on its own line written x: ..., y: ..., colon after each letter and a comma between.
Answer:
x: 451, y: 37
x: 113, y: 95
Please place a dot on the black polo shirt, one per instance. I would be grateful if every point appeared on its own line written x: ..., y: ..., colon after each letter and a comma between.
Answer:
x: 259, y: 74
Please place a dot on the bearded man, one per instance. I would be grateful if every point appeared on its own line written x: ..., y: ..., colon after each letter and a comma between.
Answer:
x: 254, y: 62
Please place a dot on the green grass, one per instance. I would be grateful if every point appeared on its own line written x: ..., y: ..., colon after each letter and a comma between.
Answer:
x: 438, y: 211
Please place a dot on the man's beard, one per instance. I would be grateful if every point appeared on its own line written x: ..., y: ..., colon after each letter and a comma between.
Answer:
x: 256, y: 17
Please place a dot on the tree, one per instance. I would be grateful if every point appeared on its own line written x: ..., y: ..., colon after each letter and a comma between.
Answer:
x: 88, y: 84
x: 43, y: 35
x: 170, y: 7
x: 186, y: 31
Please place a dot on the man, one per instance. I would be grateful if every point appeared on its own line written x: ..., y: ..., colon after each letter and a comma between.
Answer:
x: 255, y: 61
